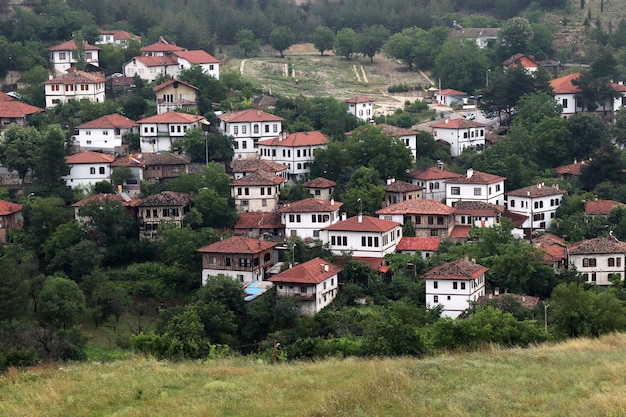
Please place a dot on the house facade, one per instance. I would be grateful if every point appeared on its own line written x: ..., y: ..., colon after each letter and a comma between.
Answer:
x: 116, y: 37
x: 150, y: 67
x: 248, y: 127
x: 460, y: 134
x: 294, y: 150
x: 101, y: 199
x: 321, y: 188
x: 175, y: 95
x: 132, y: 185
x: 159, y: 133
x: 454, y: 286
x: 11, y: 219
x: 64, y: 56
x: 306, y: 218
x: 398, y: 191
x: 450, y: 97
x: 242, y: 167
x: 427, y: 246
x: 256, y: 224
x: 166, y: 207
x: 433, y: 182
x: 521, y: 61
x: 315, y: 283
x: 475, y: 186
x: 429, y: 217
x: 16, y: 112
x: 538, y: 202
x: 599, y: 259
x: 258, y: 191
x: 76, y: 85
x: 104, y: 133
x: 477, y: 213
x: 87, y: 168
x: 163, y: 166
x: 209, y: 64
x: 361, y: 107
x: 243, y: 259
x: 161, y: 48
x: 565, y: 93
x: 363, y: 236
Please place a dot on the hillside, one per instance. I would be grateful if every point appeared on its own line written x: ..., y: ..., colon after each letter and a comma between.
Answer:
x: 577, y: 378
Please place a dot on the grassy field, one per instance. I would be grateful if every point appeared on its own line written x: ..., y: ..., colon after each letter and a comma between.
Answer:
x: 577, y: 378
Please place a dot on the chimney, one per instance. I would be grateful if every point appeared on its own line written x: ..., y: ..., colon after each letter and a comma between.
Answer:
x: 439, y: 164
x: 474, y: 261
x: 326, y: 269
x: 390, y: 180
x: 332, y: 201
x: 360, y: 218
x: 258, y: 113
x: 470, y: 172
x: 496, y: 291
x: 447, y: 120
x: 344, y: 216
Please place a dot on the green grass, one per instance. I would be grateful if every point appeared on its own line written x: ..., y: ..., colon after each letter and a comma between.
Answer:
x: 577, y: 378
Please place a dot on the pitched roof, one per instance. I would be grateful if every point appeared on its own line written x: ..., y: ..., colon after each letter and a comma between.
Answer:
x: 89, y: 157
x: 119, y: 35
x: 456, y: 270
x: 391, y: 130
x: 238, y: 244
x: 172, y: 117
x: 430, y: 244
x: 7, y: 208
x: 600, y: 207
x: 517, y: 219
x: 162, y: 46
x: 71, y: 46
x: 174, y: 81
x: 363, y: 224
x: 419, y: 206
x: 75, y: 77
x: 314, y: 271
x: 6, y: 97
x: 258, y: 178
x: 155, y: 61
x: 477, y: 208
x: 13, y: 109
x: 460, y: 123
x: 475, y: 33
x: 398, y: 186
x: 259, y: 220
x: 535, y: 191
x: 598, y: 245
x: 432, y: 174
x: 197, y: 57
x: 311, y: 205
x: 476, y: 177
x: 165, y: 198
x: 571, y: 169
x: 319, y: 182
x: 297, y: 139
x: 163, y: 158
x: 249, y: 115
x: 563, y: 85
x: 132, y: 160
x: 460, y: 231
x: 359, y: 99
x: 100, y: 198
x: 451, y: 92
x: 110, y: 121
x: 254, y: 164
x: 549, y: 239
x: 521, y: 59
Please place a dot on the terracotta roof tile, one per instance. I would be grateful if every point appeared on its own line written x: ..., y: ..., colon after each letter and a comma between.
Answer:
x: 71, y: 46
x: 598, y: 245
x: 163, y: 158
x: 166, y: 198
x: 418, y: 243
x: 238, y: 244
x: 120, y: 35
x: 433, y: 174
x: 258, y: 178
x: 197, y: 57
x: 253, y: 164
x: 6, y: 97
x: 402, y: 187
x: 391, y: 130
x: 99, y: 198
x: 297, y: 139
x: 460, y: 123
x: 476, y: 177
x: 517, y: 219
x: 571, y: 169
x: 319, y: 182
x: 600, y: 207
x: 172, y: 117
x: 314, y: 271
x: 76, y: 77
x: 156, y: 61
x: 367, y: 224
x: 477, y: 208
x: 89, y: 157
x: 563, y: 85
x: 7, y: 208
x: 174, y: 81
x: 460, y: 231
x: 162, y: 46
x: 109, y: 121
x: 249, y: 115
x: 259, y: 220
x: 535, y: 191
x: 13, y: 109
x: 359, y: 99
x: 311, y: 205
x: 451, y: 92
x: 459, y: 269
x: 419, y: 206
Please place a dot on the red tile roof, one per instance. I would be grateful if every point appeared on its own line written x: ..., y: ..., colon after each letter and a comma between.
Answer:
x: 553, y: 253
x: 314, y: 271
x: 238, y: 244
x: 418, y: 243
x: 170, y: 82
x: 451, y: 92
x: 311, y: 205
x: 249, y: 115
x: 162, y: 46
x: 156, y: 61
x: 7, y: 208
x: 259, y: 178
x: 563, y: 85
x: 89, y: 157
x: 119, y: 35
x: 419, y: 206
x: 460, y: 232
x: 476, y: 177
x: 460, y: 123
x: 402, y: 187
x: 319, y: 182
x: 359, y: 99
x: 477, y: 208
x: 433, y: 174
x: 549, y: 239
x: 75, y: 77
x: 297, y: 139
x: 522, y: 60
x: 71, y: 46
x: 517, y: 219
x: 535, y: 191
x: 599, y: 245
x: 110, y: 121
x: 259, y: 220
x: 6, y: 97
x: 197, y: 57
x: 13, y: 109
x: 375, y: 263
x: 600, y: 207
x: 391, y: 130
x: 366, y: 224
x: 571, y: 169
x: 456, y: 270
x: 100, y: 198
x: 163, y: 158
x: 252, y: 165
x: 166, y: 199
x: 172, y: 117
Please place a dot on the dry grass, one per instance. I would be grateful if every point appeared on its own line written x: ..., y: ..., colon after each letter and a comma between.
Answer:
x: 577, y: 378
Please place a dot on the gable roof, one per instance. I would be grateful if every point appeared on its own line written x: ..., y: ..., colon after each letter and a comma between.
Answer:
x: 571, y: 169
x: 398, y: 186
x: 163, y: 158
x: 89, y: 157
x: 175, y: 82
x: 391, y: 130
x: 297, y: 139
x: 6, y: 97
x: 477, y: 208
x: 419, y: 206
x: 314, y: 271
x: 432, y: 173
x: 100, y: 198
x: 359, y: 99
x: 71, y: 46
x: 535, y: 191
x: 110, y: 121
x: 165, y: 198
x: 600, y: 207
x: 155, y: 61
x: 319, y: 182
x: 75, y: 77
x: 172, y: 117
x: 517, y: 218
x: 476, y: 177
x: 7, y: 208
x: 249, y: 115
x: 563, y: 85
x: 259, y: 220
x: 460, y: 123
x: 238, y: 244
x: 119, y: 35
x: 521, y: 59
x: 258, y: 178
x: 14, y: 109
x: 253, y: 164
x: 162, y: 46
x: 197, y: 57
x: 460, y: 269
x: 599, y: 245
x: 430, y: 244
x: 311, y: 205
x: 363, y: 224
x: 451, y: 92
x: 476, y: 33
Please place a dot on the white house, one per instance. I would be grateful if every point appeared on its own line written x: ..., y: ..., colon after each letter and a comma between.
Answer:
x: 294, y: 150
x: 460, y: 134
x: 242, y: 167
x: 320, y: 188
x: 477, y: 213
x: 241, y: 258
x: 406, y: 136
x: 429, y: 217
x: 597, y: 260
x: 104, y: 133
x: 76, y: 85
x: 161, y: 48
x: 64, y: 56
x: 521, y: 61
x: 482, y: 36
x: 454, y: 286
x: 363, y: 236
x: 565, y: 93
x: 538, y: 202
x: 209, y: 64
x: 175, y: 94
x: 433, y: 181
x: 314, y: 283
x: 361, y: 107
x: 87, y: 168
x: 475, y: 186
x: 427, y: 246
x: 305, y: 218
x: 150, y: 67
x: 159, y: 133
x: 248, y: 127
x: 258, y: 191
x: 116, y: 37
x: 450, y: 97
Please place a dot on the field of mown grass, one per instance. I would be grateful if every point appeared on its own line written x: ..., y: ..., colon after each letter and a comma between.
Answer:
x: 578, y: 378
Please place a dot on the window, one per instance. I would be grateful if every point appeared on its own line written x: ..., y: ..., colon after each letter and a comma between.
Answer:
x: 62, y: 56
x: 92, y: 171
x: 275, y: 128
x: 477, y: 191
x: 435, y: 298
x: 455, y: 190
x: 246, y: 191
x: 292, y: 218
x: 593, y: 277
x: 303, y: 290
x: 236, y: 130
x: 564, y: 103
x: 101, y: 170
x: 244, y: 129
x: 497, y: 187
x: 434, y: 233
x: 244, y: 262
x: 589, y: 262
x: 256, y: 129
x: 435, y: 284
x: 227, y: 261
x: 455, y: 285
x: 267, y: 128
x: 512, y: 203
x: 462, y: 285
x: 245, y: 202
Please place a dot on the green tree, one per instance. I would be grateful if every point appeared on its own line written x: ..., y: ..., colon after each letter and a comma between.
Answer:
x: 345, y: 42
x: 605, y: 165
x: 216, y: 210
x: 466, y: 77
x: 323, y: 39
x: 247, y: 41
x: 515, y: 37
x: 108, y: 221
x: 120, y: 175
x: 50, y: 166
x: 185, y: 335
x: 61, y: 302
x: 371, y: 41
x: 13, y: 290
x: 223, y: 289
x: 79, y: 40
x: 591, y: 133
x: 281, y: 38
x: 20, y: 148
